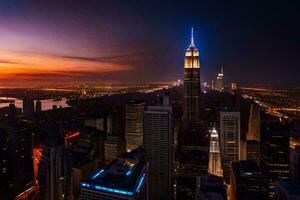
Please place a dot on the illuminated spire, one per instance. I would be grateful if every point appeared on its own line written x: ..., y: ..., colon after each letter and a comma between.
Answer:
x: 222, y: 70
x: 192, y: 38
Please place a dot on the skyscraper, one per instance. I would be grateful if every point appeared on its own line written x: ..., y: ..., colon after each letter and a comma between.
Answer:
x: 210, y: 187
x: 158, y: 143
x: 134, y: 123
x: 54, y: 171
x: 247, y: 181
x: 16, y: 177
x: 28, y: 105
x: 254, y: 123
x: 214, y: 166
x: 192, y: 87
x: 38, y: 106
x: 220, y: 81
x: 275, y: 160
x: 295, y: 162
x: 114, y: 147
x: 230, y: 140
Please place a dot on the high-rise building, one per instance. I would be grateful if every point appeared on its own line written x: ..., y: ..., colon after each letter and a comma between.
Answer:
x: 220, y: 81
x: 81, y: 170
x: 247, y: 181
x: 121, y: 179
x: 210, y: 187
x: 158, y: 141
x: 192, y: 87
x: 28, y: 105
x: 230, y: 140
x: 54, y: 171
x: 16, y: 164
x: 116, y: 122
x: 134, y: 123
x: 38, y: 106
x: 295, y: 161
x: 214, y: 165
x: 114, y: 147
x: 275, y: 157
x: 254, y: 123
x: 234, y: 87
x: 253, y: 151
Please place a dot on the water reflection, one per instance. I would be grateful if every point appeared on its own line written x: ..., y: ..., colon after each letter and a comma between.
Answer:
x: 47, y: 104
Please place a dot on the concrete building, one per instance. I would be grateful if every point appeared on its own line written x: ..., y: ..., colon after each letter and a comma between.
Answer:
x: 247, y: 181
x: 214, y: 166
x: 134, y: 111
x: 38, y: 106
x: 210, y: 187
x: 122, y: 179
x: 28, y: 105
x: 16, y: 163
x: 275, y: 153
x: 54, y: 171
x: 295, y: 161
x: 192, y: 87
x: 230, y: 140
x: 220, y: 81
x: 158, y: 141
x: 114, y: 147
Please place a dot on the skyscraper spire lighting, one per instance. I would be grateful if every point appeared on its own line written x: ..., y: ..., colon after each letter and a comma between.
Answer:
x: 192, y: 38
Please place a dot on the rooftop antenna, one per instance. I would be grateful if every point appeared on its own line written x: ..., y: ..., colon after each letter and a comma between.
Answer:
x: 192, y: 37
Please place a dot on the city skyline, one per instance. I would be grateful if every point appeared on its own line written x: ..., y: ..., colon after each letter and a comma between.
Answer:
x: 77, y: 42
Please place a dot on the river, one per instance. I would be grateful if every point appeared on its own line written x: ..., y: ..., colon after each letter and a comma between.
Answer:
x: 47, y: 104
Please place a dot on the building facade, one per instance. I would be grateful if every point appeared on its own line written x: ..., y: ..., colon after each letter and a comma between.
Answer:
x: 114, y: 147
x: 295, y: 162
x: 16, y: 163
x: 230, y: 140
x: 158, y: 141
x: 134, y: 111
x: 54, y: 172
x: 247, y: 181
x: 275, y: 160
x: 220, y: 81
x: 214, y: 165
x: 192, y: 87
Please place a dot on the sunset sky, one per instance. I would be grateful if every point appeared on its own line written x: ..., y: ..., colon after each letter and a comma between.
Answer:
x: 73, y: 41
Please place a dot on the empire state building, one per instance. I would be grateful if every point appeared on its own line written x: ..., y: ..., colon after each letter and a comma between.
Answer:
x: 192, y: 87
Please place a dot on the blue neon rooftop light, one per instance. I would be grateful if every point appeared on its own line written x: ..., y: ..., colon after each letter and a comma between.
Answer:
x: 129, y: 172
x: 113, y: 190
x: 107, y: 189
x: 96, y: 175
x: 140, y: 183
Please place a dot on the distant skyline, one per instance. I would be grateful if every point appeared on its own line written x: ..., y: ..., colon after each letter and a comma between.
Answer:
x: 73, y: 41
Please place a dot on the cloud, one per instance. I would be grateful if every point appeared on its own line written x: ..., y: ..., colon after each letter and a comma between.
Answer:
x: 9, y: 62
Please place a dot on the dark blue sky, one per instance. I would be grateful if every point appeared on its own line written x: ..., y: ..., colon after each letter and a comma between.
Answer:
x: 256, y: 41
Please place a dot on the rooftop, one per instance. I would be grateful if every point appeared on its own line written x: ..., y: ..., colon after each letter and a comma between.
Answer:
x: 136, y: 101
x: 121, y: 176
x: 246, y: 168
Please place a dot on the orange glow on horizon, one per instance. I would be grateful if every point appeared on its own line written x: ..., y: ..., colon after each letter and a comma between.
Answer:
x: 29, y: 66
